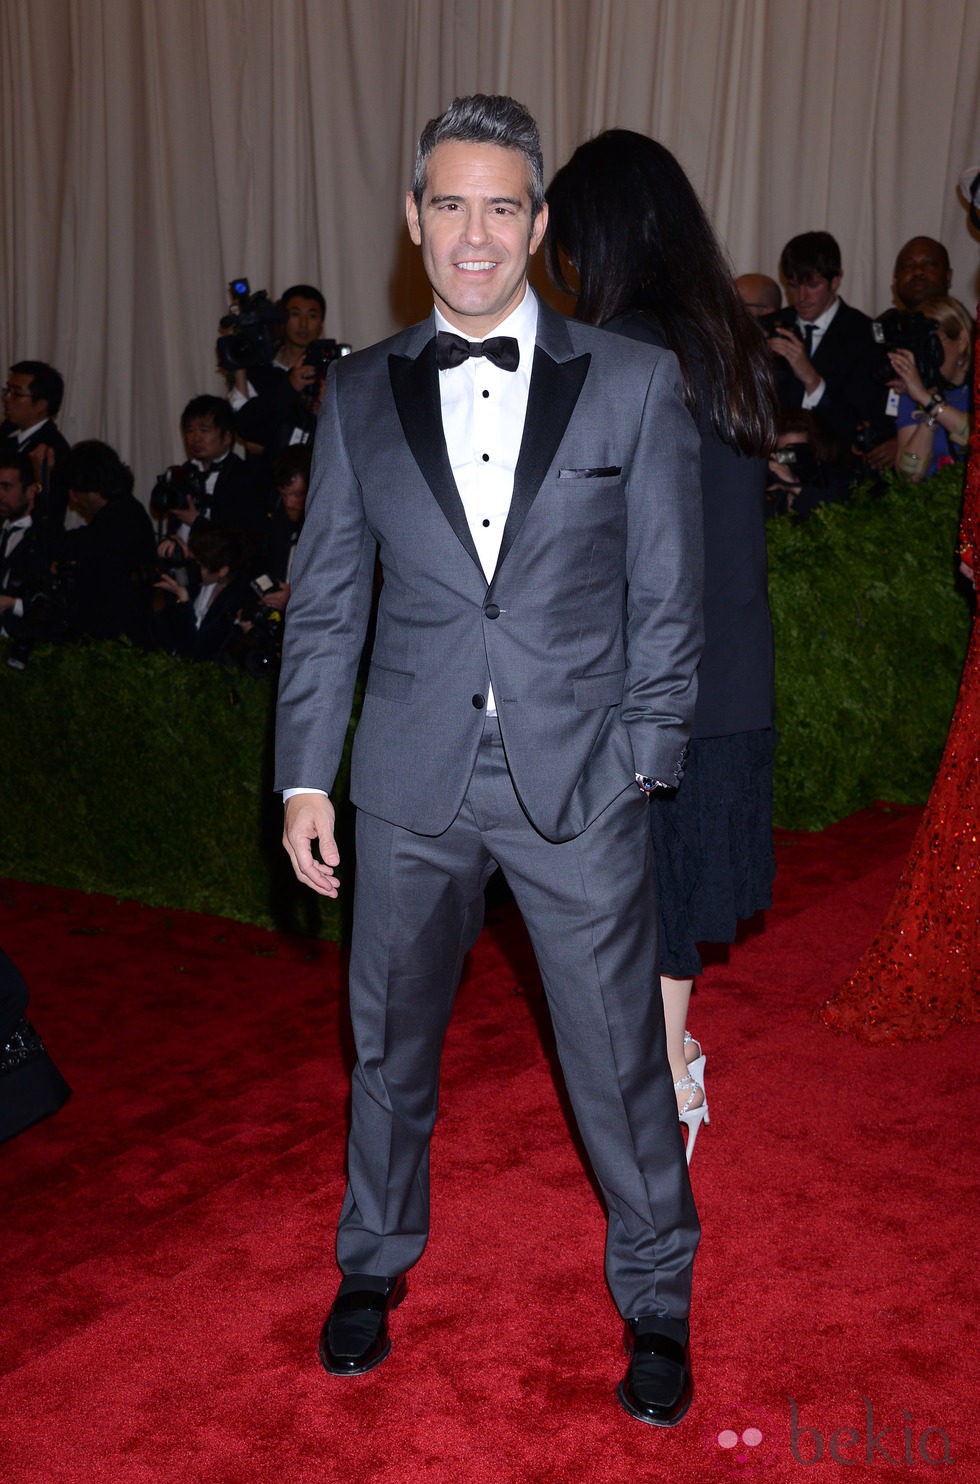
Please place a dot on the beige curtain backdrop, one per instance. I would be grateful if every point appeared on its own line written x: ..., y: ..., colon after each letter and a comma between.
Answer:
x: 152, y: 149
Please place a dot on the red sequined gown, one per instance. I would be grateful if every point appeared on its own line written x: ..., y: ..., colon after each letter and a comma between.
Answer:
x: 922, y: 972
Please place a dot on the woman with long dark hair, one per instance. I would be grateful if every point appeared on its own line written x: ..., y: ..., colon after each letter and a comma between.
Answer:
x: 628, y: 236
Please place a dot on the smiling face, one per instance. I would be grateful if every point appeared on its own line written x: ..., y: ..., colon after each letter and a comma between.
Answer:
x: 475, y: 232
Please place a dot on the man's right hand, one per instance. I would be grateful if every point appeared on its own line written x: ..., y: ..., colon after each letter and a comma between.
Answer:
x: 310, y: 817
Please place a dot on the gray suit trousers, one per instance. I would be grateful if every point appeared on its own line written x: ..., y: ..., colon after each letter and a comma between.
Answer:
x: 589, y: 907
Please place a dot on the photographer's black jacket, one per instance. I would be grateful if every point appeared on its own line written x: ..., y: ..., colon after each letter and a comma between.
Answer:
x: 107, y: 570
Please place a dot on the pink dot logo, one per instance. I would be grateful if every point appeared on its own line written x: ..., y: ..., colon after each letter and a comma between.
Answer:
x: 744, y: 1445
x: 729, y: 1440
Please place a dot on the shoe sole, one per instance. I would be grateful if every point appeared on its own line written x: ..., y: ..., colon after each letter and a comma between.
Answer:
x: 650, y: 1421
x: 360, y: 1370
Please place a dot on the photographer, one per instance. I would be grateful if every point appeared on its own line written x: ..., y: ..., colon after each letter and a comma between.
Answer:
x: 213, y: 482
x: 277, y: 402
x: 101, y: 578
x: 934, y: 421
x: 262, y: 623
x: 824, y: 350
x: 291, y: 478
x: 22, y: 562
x: 32, y: 400
x: 204, y: 596
x: 804, y: 468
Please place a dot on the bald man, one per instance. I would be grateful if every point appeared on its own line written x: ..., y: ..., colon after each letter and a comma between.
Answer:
x: 760, y: 295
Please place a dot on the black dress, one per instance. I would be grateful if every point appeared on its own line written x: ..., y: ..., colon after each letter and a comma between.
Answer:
x: 712, y: 840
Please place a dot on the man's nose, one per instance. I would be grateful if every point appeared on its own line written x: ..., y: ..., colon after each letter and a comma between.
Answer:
x: 476, y: 227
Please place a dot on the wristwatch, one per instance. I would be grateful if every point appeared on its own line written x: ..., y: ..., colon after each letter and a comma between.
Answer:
x: 653, y: 785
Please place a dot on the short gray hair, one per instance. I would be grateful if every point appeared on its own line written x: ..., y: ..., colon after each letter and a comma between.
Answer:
x: 484, y: 118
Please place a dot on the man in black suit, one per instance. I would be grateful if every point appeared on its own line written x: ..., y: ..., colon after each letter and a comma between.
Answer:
x: 22, y: 561
x: 106, y: 564
x: 825, y: 350
x: 32, y: 399
x: 213, y: 483
x: 532, y: 486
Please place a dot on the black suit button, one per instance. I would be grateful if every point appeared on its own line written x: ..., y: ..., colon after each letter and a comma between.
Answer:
x: 492, y: 611
x: 479, y: 702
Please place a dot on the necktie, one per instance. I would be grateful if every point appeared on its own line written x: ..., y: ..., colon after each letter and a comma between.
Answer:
x: 453, y: 350
x: 808, y: 339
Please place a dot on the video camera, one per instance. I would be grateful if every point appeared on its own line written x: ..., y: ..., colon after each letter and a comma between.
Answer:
x: 249, y: 339
x: 902, y: 330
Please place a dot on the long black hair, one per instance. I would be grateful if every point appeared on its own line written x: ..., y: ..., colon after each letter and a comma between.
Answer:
x: 626, y: 218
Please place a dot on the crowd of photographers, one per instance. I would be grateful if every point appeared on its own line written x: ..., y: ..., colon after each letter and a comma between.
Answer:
x: 206, y: 572
x: 859, y: 397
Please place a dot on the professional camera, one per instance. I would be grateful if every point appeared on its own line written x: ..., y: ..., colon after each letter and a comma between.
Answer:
x: 320, y: 354
x: 183, y: 569
x: 262, y: 646
x: 799, y: 459
x: 48, y: 617
x: 249, y: 338
x: 779, y: 319
x: 174, y: 487
x: 902, y: 330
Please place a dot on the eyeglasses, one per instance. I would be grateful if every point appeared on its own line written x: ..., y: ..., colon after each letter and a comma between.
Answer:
x: 16, y: 391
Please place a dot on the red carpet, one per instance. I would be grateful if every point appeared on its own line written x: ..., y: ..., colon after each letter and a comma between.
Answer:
x: 167, y: 1237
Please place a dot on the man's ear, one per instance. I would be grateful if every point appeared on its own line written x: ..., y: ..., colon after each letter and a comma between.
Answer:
x: 538, y: 230
x: 412, y: 217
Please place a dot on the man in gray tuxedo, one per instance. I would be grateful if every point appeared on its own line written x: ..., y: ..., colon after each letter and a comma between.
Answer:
x: 531, y: 486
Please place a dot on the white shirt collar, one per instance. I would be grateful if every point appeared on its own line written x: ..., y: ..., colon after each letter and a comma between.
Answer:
x: 26, y: 433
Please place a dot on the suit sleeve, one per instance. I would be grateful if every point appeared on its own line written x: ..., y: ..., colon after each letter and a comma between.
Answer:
x: 665, y: 572
x: 328, y: 612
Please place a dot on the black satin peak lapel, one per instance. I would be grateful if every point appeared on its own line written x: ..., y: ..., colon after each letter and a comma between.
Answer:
x: 552, y: 395
x: 415, y: 387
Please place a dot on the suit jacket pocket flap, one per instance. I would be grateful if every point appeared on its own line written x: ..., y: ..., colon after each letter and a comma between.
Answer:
x: 391, y: 685
x: 609, y: 471
x: 599, y: 690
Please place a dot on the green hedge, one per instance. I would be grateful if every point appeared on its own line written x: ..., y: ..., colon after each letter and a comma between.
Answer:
x: 148, y: 777
x: 872, y: 622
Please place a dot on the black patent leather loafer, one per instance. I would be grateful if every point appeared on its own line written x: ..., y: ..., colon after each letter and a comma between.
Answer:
x: 657, y: 1387
x: 354, y: 1338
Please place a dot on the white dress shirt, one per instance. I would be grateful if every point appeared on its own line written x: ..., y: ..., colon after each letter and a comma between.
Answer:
x: 820, y: 328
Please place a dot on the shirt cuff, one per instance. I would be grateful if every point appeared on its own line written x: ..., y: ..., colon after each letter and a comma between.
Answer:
x: 287, y: 793
x: 812, y: 398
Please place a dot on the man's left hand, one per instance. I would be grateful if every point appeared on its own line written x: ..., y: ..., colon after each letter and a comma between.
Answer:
x: 789, y: 345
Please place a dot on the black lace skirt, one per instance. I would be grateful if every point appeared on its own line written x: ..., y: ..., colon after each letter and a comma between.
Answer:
x: 712, y: 845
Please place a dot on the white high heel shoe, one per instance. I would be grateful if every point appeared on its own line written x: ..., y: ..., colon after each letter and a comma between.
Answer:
x: 691, y: 1084
x: 692, y: 1117
x: 696, y: 1065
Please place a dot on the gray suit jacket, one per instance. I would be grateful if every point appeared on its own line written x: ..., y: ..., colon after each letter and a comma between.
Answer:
x: 590, y: 629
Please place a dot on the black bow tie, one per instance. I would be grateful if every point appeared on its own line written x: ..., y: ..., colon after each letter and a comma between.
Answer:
x: 453, y: 350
